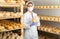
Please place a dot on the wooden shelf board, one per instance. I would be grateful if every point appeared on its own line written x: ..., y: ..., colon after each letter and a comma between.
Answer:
x: 39, y: 28
x: 9, y: 5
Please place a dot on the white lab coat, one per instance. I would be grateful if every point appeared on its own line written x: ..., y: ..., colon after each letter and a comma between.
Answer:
x: 30, y: 32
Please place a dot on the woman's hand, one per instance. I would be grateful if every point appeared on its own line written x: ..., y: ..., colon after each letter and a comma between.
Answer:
x: 34, y: 24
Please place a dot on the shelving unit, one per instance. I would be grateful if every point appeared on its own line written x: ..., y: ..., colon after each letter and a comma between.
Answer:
x: 50, y: 29
x: 20, y: 6
x: 46, y: 28
x: 5, y: 25
x: 48, y: 7
x: 9, y: 5
x: 50, y: 18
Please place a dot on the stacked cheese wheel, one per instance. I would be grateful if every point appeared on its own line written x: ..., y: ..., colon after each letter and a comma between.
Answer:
x: 10, y: 1
x: 50, y: 18
x: 2, y: 1
x: 10, y: 25
x: 46, y: 37
x: 10, y: 14
x: 43, y: 35
x: 51, y: 29
x: 48, y: 7
x: 2, y: 28
x: 14, y: 1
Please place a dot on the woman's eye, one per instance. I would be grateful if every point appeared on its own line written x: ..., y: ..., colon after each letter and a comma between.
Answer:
x: 29, y: 6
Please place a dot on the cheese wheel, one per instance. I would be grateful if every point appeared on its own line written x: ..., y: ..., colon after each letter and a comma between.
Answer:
x: 52, y: 6
x: 41, y: 6
x: 56, y: 19
x: 21, y: 25
x: 1, y: 14
x: 18, y: 1
x: 52, y: 18
x: 2, y: 1
x: 8, y: 1
x: 56, y: 6
x: 19, y: 14
x: 14, y: 14
x: 48, y: 6
x: 41, y: 18
x: 7, y: 14
x: 48, y: 18
x: 45, y: 18
x: 13, y: 1
x: 1, y: 28
x: 45, y: 7
x: 9, y: 27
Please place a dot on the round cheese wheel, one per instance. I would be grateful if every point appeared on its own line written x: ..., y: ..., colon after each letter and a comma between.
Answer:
x: 48, y: 6
x: 7, y: 14
x: 45, y: 7
x: 19, y: 14
x: 18, y: 1
x: 52, y: 6
x: 56, y: 19
x: 2, y: 0
x: 9, y: 27
x: 1, y: 14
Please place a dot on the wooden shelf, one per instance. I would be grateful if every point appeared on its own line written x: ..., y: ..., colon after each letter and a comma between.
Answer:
x: 50, y: 29
x: 26, y: 0
x: 48, y: 7
x: 6, y: 25
x: 50, y: 18
x: 10, y: 15
x: 12, y: 3
x: 9, y: 5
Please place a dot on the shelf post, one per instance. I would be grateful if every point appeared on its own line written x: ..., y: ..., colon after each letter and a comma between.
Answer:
x: 22, y: 31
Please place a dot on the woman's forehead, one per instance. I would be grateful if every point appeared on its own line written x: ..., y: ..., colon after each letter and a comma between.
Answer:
x: 30, y: 5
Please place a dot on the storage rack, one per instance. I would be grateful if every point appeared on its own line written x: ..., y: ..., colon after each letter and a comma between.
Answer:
x: 49, y: 18
x: 13, y: 5
x: 48, y: 7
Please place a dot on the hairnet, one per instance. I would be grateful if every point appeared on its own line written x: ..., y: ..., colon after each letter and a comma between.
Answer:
x: 29, y: 2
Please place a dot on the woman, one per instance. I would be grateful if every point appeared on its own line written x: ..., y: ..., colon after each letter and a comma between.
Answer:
x: 31, y: 21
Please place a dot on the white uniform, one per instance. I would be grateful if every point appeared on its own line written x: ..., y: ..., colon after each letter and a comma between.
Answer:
x: 30, y: 32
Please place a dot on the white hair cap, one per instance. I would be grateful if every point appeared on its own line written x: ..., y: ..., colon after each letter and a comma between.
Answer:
x: 29, y: 2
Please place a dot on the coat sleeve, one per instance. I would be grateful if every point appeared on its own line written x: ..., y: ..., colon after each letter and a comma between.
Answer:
x: 38, y: 23
x: 25, y: 21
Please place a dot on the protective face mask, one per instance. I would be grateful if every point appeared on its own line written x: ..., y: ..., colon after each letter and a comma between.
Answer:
x: 30, y: 8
